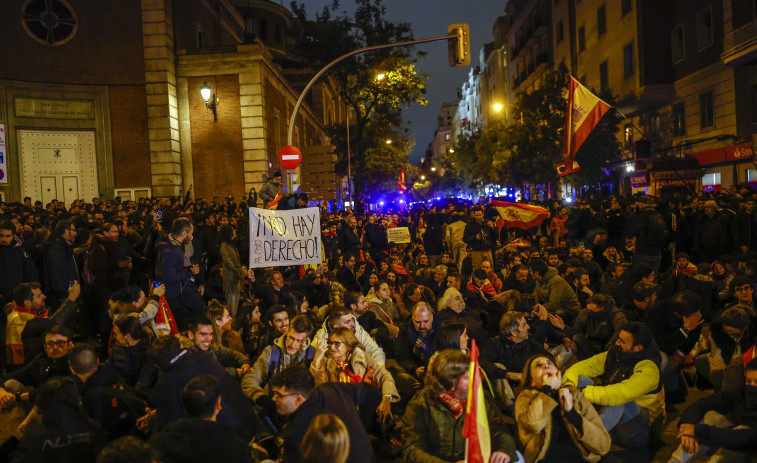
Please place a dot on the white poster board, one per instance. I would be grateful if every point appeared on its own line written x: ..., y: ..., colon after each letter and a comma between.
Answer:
x: 3, y: 156
x: 281, y: 238
x: 398, y: 235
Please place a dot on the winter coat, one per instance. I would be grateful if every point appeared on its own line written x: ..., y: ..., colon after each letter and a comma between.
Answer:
x: 170, y: 268
x: 191, y: 440
x: 360, y: 363
x: 533, y: 413
x: 511, y: 355
x: 59, y: 267
x: 432, y: 434
x: 627, y: 377
x: 255, y: 382
x: 371, y: 348
x: 738, y: 406
x: 600, y: 327
x: 666, y: 329
x: 233, y: 274
x: 268, y: 192
x: 16, y: 267
x: 555, y: 293
x: 403, y: 346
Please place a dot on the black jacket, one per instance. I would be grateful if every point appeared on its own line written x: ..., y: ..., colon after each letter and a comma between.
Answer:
x: 647, y: 244
x: 403, y: 347
x: 510, y: 354
x: 341, y: 400
x: 741, y: 411
x: 196, y: 440
x: 666, y: 329
x: 16, y: 267
x: 59, y: 267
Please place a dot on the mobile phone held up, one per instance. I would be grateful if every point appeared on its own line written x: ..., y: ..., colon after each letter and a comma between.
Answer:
x: 155, y: 284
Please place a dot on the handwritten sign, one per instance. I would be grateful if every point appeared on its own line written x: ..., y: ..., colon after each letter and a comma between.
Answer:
x: 398, y: 235
x: 280, y: 238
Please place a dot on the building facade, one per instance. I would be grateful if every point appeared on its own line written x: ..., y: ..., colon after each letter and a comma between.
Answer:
x: 100, y: 102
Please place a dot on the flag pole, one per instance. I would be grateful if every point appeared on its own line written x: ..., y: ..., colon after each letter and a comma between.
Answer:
x: 675, y: 171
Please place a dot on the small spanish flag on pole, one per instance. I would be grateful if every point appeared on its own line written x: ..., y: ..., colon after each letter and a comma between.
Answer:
x: 478, y: 447
x: 584, y: 112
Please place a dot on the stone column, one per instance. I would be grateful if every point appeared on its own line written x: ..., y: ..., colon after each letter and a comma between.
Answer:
x: 162, y: 107
x: 252, y: 104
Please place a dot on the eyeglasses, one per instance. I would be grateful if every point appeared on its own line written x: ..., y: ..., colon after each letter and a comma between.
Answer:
x: 278, y: 395
x: 743, y: 289
x: 56, y: 343
x: 335, y: 343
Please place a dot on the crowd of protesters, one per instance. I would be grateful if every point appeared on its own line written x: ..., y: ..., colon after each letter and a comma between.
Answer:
x: 135, y: 332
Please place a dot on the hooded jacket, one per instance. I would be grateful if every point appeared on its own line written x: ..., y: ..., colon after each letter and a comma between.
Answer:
x: 626, y: 377
x: 255, y: 382
x: 371, y: 348
x: 534, y: 415
x: 554, y: 292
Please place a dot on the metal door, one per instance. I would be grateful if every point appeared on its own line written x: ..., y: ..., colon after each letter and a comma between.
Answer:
x: 49, y: 188
x: 70, y: 189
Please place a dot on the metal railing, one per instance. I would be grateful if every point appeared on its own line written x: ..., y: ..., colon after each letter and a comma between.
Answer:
x: 740, y: 36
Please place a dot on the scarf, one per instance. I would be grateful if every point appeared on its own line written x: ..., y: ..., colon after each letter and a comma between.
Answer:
x: 456, y: 405
x: 689, y: 271
x: 40, y: 314
x: 487, y: 288
x: 421, y: 346
x: 345, y: 374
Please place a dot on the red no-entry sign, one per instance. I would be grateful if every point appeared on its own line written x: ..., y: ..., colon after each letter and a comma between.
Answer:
x: 290, y: 157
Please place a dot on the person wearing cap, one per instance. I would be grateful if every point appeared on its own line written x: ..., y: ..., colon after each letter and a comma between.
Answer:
x: 271, y: 190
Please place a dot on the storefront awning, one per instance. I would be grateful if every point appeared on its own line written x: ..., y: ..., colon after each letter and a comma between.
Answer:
x: 742, y: 152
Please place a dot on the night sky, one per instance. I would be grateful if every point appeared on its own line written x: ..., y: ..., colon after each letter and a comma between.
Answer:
x: 430, y: 18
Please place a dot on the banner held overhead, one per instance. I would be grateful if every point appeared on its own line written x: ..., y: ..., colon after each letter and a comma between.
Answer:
x: 280, y: 238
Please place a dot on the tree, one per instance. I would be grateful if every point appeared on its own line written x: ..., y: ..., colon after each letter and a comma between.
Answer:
x: 376, y: 103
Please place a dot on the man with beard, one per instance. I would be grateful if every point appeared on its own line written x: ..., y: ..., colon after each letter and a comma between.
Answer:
x: 171, y: 269
x: 631, y: 394
x: 725, y: 420
x: 109, y: 268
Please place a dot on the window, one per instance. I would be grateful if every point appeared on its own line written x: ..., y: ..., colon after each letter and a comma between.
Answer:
x: 446, y: 137
x: 625, y: 7
x: 559, y: 32
x: 706, y: 110
x: 751, y: 175
x: 200, y: 39
x: 677, y: 45
x: 705, y: 36
x: 263, y: 29
x: 603, y: 84
x: 679, y: 119
x: 629, y: 65
x: 49, y: 22
x: 711, y: 179
x: 754, y: 104
x: 601, y: 20
x: 581, y: 38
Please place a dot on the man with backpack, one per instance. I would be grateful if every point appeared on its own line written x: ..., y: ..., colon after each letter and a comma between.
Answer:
x: 650, y: 231
x: 293, y: 348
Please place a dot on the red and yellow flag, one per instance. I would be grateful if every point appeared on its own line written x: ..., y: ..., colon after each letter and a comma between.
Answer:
x: 478, y: 447
x: 584, y: 112
x: 401, y: 182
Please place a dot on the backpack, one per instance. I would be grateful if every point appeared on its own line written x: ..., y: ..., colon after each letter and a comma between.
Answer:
x: 276, y: 358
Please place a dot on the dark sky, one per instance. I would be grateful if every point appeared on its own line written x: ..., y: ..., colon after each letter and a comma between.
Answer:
x: 430, y: 18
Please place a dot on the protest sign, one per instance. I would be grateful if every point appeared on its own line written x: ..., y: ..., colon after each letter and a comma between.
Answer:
x: 280, y: 238
x: 398, y: 235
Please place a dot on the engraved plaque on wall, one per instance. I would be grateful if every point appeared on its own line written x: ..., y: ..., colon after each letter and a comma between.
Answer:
x: 54, y: 109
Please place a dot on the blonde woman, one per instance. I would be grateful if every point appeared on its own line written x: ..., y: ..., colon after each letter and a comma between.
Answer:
x: 223, y: 334
x: 326, y: 440
x: 341, y: 358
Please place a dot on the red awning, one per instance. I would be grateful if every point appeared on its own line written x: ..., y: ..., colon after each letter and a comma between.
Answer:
x: 742, y: 152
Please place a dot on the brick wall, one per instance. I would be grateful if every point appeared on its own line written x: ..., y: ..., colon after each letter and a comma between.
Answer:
x: 216, y: 146
x: 131, y: 146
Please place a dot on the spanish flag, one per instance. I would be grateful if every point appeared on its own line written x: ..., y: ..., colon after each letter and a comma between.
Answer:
x: 478, y: 446
x: 584, y: 112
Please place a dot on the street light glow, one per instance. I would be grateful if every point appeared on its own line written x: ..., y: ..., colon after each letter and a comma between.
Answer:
x: 433, y: 169
x: 423, y: 177
x: 497, y: 107
x: 389, y: 142
x: 451, y: 150
x: 380, y: 76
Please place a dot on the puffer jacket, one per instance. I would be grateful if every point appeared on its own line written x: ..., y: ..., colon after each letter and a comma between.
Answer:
x: 432, y: 434
x: 627, y: 376
x: 360, y: 363
x: 371, y: 348
x: 553, y: 292
x: 533, y: 413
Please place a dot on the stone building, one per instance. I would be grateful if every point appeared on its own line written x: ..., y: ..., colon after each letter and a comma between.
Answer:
x: 105, y: 100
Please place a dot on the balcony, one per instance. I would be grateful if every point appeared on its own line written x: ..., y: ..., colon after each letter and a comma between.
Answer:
x: 740, y: 45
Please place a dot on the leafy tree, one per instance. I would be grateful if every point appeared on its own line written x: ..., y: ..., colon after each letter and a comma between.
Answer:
x: 376, y: 104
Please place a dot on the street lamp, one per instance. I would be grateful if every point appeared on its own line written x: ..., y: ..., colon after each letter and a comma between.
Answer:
x: 451, y: 150
x: 210, y: 99
x: 388, y: 141
x: 433, y: 169
x: 497, y: 107
x: 423, y: 177
x: 380, y: 76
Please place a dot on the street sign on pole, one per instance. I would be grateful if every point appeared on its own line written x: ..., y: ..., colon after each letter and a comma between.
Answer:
x: 290, y: 157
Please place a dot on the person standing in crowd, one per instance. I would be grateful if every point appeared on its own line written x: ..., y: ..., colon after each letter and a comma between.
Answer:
x: 271, y: 190
x: 171, y: 270
x: 650, y: 231
x: 233, y: 273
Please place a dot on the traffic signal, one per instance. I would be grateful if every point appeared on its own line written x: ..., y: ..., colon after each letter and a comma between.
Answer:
x: 458, y: 48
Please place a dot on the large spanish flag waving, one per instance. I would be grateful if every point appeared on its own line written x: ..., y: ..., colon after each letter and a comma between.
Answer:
x: 520, y: 215
x: 584, y: 112
x: 478, y: 445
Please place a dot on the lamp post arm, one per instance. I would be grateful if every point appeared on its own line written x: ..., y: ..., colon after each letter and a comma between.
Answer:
x: 345, y: 56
